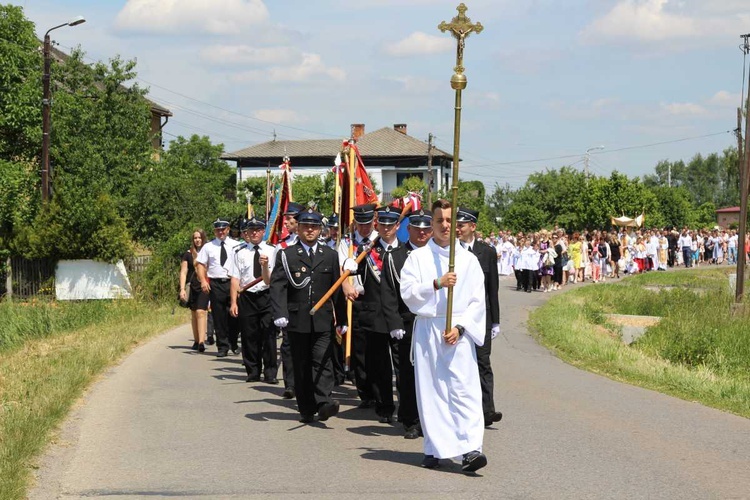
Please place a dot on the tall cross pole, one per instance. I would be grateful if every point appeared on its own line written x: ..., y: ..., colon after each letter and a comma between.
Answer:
x: 460, y: 27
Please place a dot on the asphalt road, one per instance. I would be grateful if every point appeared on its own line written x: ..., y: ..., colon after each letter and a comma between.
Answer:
x: 170, y: 423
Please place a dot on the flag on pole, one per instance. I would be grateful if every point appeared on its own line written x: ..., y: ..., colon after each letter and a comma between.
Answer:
x: 275, y: 229
x: 364, y: 190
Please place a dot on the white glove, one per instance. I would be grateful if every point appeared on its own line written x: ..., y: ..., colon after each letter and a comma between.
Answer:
x: 398, y: 334
x: 341, y: 330
x: 359, y: 288
x: 350, y: 265
x: 281, y: 322
x: 495, y: 331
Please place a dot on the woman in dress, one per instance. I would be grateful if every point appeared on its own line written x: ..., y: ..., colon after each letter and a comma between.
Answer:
x: 545, y: 248
x: 198, y: 299
x: 574, y: 251
x: 614, y: 253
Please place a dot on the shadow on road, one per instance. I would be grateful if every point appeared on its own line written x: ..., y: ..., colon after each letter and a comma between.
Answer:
x: 376, y: 430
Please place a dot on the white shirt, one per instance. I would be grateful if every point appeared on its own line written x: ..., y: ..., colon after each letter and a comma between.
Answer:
x: 385, y: 245
x: 242, y: 264
x: 685, y: 241
x: 210, y: 256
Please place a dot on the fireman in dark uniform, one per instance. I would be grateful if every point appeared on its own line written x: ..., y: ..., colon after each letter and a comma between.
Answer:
x: 302, y: 274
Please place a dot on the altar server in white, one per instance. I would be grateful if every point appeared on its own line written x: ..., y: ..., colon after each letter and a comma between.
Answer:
x: 449, y: 394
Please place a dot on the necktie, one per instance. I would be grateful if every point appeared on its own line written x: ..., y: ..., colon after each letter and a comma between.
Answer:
x: 256, y: 261
x: 470, y: 250
x: 223, y: 257
x: 311, y: 253
x: 389, y: 249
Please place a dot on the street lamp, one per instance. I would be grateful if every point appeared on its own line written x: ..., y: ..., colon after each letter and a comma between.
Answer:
x: 586, y: 158
x: 46, y: 104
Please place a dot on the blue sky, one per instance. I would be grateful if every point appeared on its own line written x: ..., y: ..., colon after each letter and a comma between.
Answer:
x: 547, y: 79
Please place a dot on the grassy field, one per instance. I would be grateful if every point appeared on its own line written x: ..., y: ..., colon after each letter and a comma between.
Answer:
x: 698, y: 351
x: 49, y: 354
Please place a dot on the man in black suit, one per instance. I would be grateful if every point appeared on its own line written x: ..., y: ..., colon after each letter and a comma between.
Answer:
x: 370, y: 315
x: 466, y: 225
x: 303, y: 273
x: 400, y: 320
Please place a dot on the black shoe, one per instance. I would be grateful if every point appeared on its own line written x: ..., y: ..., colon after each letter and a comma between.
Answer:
x: 327, y: 410
x: 195, y: 346
x: 272, y: 380
x: 222, y: 354
x: 209, y: 341
x: 253, y: 379
x: 430, y: 462
x: 386, y: 419
x: 491, y: 418
x: 288, y: 393
x: 473, y: 461
x: 412, y: 433
x: 201, y: 347
x: 366, y: 403
x: 307, y: 419
x: 235, y: 350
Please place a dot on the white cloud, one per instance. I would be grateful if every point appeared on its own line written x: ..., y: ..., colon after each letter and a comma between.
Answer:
x: 724, y: 98
x: 644, y: 20
x: 279, y: 116
x: 247, y: 55
x: 689, y: 22
x: 419, y: 43
x: 310, y: 68
x: 219, y: 17
x: 683, y: 109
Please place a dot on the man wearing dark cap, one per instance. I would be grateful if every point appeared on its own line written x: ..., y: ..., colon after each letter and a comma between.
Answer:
x: 302, y: 274
x: 400, y: 320
x: 371, y: 320
x: 212, y: 268
x: 250, y: 302
x: 364, y: 234
x: 466, y: 225
x: 290, y: 223
x: 333, y: 230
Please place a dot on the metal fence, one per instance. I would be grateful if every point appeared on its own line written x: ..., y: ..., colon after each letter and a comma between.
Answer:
x: 29, y: 278
x: 34, y: 277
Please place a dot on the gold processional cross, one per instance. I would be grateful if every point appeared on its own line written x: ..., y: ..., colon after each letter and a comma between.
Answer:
x: 460, y: 27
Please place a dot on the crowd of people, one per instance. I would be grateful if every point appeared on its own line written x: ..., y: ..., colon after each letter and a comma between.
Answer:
x: 398, y: 295
x: 548, y: 260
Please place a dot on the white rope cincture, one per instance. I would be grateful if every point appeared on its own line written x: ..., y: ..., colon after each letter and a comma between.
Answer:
x: 285, y: 264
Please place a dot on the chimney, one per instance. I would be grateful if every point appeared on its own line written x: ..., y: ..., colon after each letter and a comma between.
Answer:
x: 358, y: 130
x: 400, y: 127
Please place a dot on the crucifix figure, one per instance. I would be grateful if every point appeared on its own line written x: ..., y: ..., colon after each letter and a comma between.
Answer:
x: 460, y: 27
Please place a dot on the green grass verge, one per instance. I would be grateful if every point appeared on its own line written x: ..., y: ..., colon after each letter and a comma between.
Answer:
x: 698, y: 351
x: 51, y: 352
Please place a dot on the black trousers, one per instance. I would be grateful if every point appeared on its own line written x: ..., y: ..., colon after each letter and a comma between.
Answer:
x: 671, y: 256
x: 486, y: 377
x: 313, y: 370
x: 519, y: 278
x: 219, y: 296
x: 339, y: 372
x: 405, y: 381
x: 286, y: 361
x: 358, y: 363
x: 379, y: 371
x: 258, y: 342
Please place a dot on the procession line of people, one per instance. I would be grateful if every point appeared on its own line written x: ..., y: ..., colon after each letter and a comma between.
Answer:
x: 444, y: 378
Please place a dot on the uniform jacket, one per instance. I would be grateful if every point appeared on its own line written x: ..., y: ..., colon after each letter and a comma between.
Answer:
x: 288, y: 301
x: 397, y: 316
x: 369, y: 307
x: 488, y: 260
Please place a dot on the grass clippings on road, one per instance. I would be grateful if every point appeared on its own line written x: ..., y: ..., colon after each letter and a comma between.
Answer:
x: 50, y: 354
x: 698, y: 351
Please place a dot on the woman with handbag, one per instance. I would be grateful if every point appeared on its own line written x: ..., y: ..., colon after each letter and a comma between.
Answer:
x: 191, y: 294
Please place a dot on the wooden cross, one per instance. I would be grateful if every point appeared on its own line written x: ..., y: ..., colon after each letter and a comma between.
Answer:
x: 460, y: 27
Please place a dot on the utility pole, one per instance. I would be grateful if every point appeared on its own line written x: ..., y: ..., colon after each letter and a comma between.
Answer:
x: 430, y: 178
x: 586, y: 159
x: 669, y: 175
x: 744, y: 187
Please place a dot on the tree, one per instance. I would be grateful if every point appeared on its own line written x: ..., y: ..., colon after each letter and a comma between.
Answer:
x: 190, y: 186
x: 413, y: 184
x: 20, y: 86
